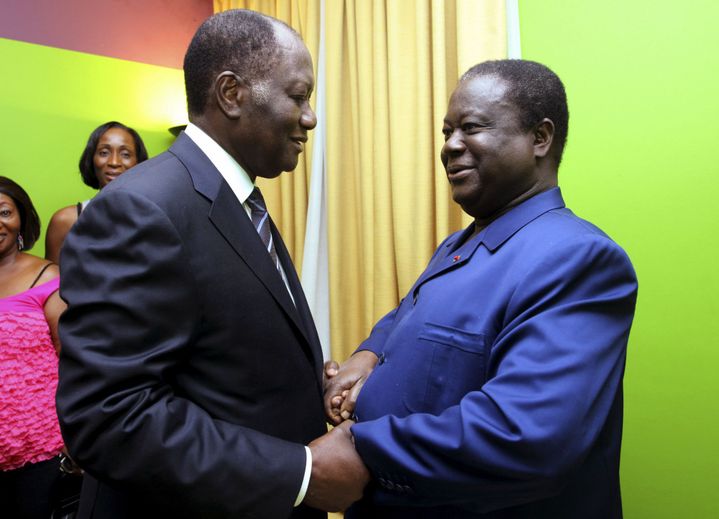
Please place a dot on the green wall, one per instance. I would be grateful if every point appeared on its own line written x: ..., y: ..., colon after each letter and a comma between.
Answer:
x: 642, y: 79
x: 50, y: 101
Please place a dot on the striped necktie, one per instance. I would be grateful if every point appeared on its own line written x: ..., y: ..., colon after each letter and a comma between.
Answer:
x: 261, y: 221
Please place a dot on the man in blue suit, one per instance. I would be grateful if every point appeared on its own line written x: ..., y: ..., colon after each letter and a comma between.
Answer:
x: 191, y: 372
x: 494, y: 390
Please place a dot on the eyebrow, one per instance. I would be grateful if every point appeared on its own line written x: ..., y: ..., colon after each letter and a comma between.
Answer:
x: 473, y: 113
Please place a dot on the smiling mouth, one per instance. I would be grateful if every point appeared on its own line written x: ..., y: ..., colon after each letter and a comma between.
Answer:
x: 456, y: 168
x: 300, y: 143
x: 456, y: 173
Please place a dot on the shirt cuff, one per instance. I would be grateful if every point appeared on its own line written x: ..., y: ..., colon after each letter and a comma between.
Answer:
x: 306, y: 479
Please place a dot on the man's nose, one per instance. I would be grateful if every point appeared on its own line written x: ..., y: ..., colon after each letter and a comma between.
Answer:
x: 308, y: 119
x: 454, y: 144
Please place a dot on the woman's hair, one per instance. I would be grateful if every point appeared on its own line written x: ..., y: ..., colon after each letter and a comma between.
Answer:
x: 87, y: 167
x: 29, y: 220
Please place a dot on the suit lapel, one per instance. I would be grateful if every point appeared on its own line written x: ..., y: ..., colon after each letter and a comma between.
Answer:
x: 301, y: 305
x: 444, y: 260
x: 229, y: 218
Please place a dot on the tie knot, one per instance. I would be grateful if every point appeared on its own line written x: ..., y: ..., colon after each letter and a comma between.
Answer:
x: 256, y: 201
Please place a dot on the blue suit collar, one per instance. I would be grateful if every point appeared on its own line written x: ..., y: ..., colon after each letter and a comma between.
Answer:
x: 504, y: 227
x: 452, y: 256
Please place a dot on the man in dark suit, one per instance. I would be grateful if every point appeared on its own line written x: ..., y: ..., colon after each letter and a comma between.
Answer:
x: 191, y: 373
x: 496, y: 385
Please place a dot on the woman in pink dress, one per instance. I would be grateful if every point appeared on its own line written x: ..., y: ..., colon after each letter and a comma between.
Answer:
x: 30, y: 306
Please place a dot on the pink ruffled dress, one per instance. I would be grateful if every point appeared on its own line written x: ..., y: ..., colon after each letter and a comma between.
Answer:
x: 29, y: 430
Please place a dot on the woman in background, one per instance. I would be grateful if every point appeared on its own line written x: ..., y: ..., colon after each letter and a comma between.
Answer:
x: 112, y: 149
x: 30, y: 306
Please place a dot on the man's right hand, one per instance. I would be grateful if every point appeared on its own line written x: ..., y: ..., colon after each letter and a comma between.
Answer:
x: 338, y: 474
x: 343, y: 384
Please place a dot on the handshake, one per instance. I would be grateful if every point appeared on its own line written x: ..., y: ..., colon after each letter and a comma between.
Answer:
x: 338, y: 474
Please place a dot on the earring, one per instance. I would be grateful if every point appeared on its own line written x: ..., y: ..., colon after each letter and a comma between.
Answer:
x: 20, y: 242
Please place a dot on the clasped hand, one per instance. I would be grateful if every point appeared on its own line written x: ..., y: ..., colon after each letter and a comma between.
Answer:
x: 343, y: 384
x: 338, y: 474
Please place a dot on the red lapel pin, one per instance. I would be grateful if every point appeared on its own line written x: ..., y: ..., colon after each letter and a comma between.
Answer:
x: 456, y: 258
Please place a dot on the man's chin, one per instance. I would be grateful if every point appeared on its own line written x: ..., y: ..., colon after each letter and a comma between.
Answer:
x: 273, y: 174
x: 287, y: 165
x: 290, y: 165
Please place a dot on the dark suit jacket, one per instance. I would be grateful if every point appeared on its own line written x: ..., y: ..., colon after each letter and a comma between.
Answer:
x: 189, y: 381
x: 498, y: 393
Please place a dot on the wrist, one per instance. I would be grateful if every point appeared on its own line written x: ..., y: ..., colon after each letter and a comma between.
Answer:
x: 365, y: 357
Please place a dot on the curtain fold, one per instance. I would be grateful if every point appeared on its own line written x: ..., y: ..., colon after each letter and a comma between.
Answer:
x: 390, y: 67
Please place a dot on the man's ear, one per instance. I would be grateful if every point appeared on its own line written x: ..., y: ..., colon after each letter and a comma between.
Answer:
x: 543, y: 137
x: 229, y: 91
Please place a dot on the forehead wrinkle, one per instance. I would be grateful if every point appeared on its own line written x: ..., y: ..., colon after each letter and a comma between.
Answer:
x: 462, y: 106
x: 481, y: 95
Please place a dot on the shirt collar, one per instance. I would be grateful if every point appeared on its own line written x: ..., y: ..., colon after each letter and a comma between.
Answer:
x: 237, y: 178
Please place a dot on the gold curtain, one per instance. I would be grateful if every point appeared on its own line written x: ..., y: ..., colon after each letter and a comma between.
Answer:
x: 391, y: 65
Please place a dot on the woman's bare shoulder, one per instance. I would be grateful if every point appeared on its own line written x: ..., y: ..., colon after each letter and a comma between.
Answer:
x: 64, y: 217
x: 32, y: 266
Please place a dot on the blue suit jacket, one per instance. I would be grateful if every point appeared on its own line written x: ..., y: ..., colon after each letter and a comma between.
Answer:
x: 499, y: 385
